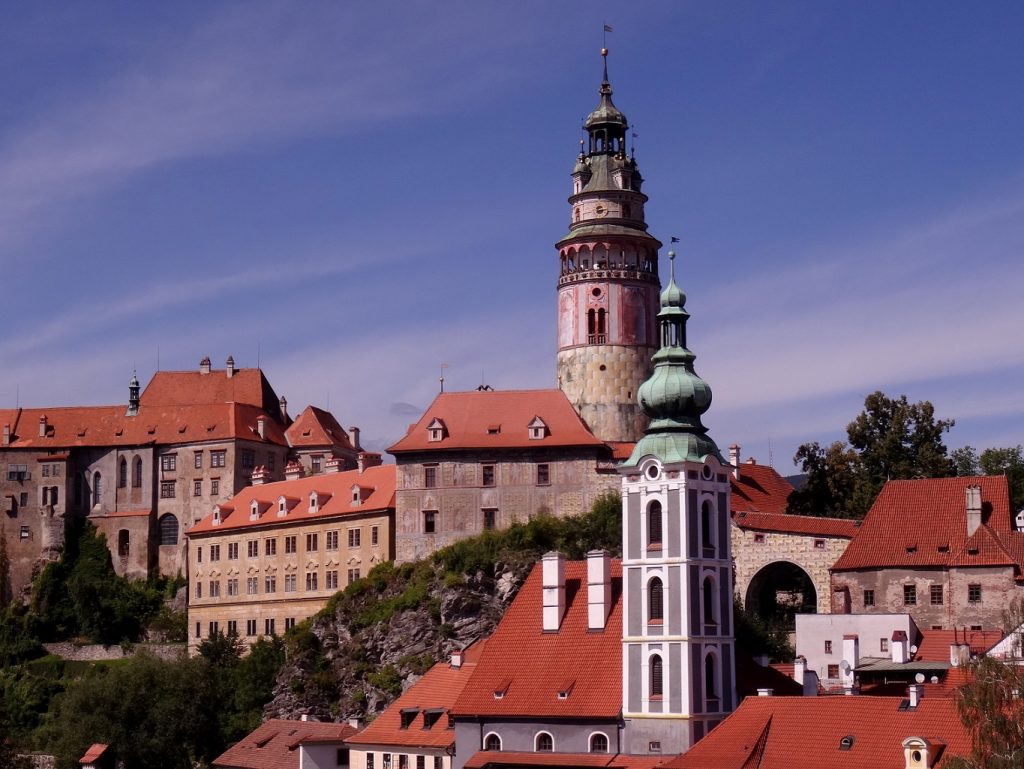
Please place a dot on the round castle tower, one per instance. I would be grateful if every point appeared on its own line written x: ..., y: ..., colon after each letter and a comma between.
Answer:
x: 608, y: 283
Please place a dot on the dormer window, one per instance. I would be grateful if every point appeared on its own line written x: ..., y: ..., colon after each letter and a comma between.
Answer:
x: 216, y: 516
x: 436, y: 431
x: 565, y: 690
x: 357, y: 495
x: 408, y: 716
x: 312, y: 502
x: 282, y: 506
x: 500, y: 689
x: 431, y: 716
x: 494, y: 429
x: 254, y: 510
x: 538, y: 429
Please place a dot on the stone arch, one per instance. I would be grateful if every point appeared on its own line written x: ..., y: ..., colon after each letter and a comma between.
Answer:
x: 782, y: 588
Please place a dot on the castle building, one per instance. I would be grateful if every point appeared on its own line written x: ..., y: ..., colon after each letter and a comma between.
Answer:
x: 274, y: 553
x: 608, y: 281
x: 678, y: 650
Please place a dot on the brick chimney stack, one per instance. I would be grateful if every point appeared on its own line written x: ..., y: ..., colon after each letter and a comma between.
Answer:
x: 229, y: 367
x: 261, y: 426
x: 553, y: 574
x: 204, y: 365
x: 368, y: 459
x: 734, y: 460
x: 599, y: 588
x: 354, y: 436
x: 7, y: 435
x: 42, y: 426
x: 260, y: 475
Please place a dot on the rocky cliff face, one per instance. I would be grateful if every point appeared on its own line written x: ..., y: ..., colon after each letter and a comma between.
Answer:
x: 379, y: 636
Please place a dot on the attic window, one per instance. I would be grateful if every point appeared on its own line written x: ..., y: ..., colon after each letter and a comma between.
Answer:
x: 119, y: 431
x: 500, y: 689
x: 282, y: 507
x: 312, y: 502
x: 435, y: 430
x: 151, y: 430
x: 306, y: 433
x: 81, y: 433
x: 538, y: 429
x: 211, y: 428
x: 494, y: 429
x: 263, y: 743
x: 912, y: 548
x: 254, y: 510
x: 408, y: 716
x: 431, y: 716
x: 182, y: 429
x: 565, y: 690
x: 972, y: 550
x: 846, y: 742
x: 943, y: 548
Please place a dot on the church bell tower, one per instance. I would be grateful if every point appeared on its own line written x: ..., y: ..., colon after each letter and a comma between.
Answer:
x: 608, y: 282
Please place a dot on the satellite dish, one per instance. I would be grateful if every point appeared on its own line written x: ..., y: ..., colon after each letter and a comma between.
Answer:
x: 919, y: 678
x: 913, y: 649
x: 845, y: 666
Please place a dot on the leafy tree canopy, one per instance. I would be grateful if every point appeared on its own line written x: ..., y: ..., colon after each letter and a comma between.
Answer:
x: 1008, y: 462
x: 890, y: 439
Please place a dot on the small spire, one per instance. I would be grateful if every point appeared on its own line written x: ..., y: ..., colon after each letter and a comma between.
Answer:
x: 604, y: 57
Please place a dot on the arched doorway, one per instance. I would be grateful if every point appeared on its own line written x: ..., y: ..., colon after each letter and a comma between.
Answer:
x: 779, y: 591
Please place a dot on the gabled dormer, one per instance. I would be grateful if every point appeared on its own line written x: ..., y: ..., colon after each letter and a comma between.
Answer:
x: 317, y: 499
x: 360, y: 494
x: 218, y: 515
x: 436, y: 430
x: 921, y: 753
x: 538, y: 429
x: 285, y: 504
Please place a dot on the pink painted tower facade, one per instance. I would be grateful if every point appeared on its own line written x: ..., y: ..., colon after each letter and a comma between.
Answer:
x: 608, y: 284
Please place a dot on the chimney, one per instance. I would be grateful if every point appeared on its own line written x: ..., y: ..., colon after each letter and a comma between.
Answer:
x: 261, y: 426
x: 260, y: 475
x: 457, y: 659
x: 765, y: 692
x: 283, y: 403
x: 293, y: 471
x: 915, y: 692
x: 304, y: 717
x: 333, y: 465
x: 42, y: 426
x: 229, y: 367
x: 204, y: 365
x: 354, y: 437
x: 599, y: 588
x: 851, y: 657
x: 734, y: 460
x: 898, y: 647
x: 355, y: 722
x: 973, y: 502
x: 368, y: 459
x: 799, y: 669
x: 7, y: 435
x: 553, y: 581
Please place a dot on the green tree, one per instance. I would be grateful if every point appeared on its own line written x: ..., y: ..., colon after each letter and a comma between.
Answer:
x: 890, y: 439
x: 1006, y: 461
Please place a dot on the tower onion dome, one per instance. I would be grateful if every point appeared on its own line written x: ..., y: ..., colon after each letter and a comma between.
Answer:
x: 674, y: 397
x: 606, y: 124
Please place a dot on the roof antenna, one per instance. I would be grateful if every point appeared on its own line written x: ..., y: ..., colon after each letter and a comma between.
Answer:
x: 443, y: 367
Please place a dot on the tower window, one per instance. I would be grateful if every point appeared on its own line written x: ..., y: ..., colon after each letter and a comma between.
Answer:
x: 97, y: 488
x: 122, y: 473
x: 655, y: 601
x: 709, y: 602
x: 710, y: 683
x: 707, y: 529
x: 654, y: 524
x: 599, y: 743
x: 656, y: 676
x: 137, y: 472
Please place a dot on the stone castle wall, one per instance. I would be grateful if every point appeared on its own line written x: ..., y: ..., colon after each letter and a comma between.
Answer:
x: 601, y: 382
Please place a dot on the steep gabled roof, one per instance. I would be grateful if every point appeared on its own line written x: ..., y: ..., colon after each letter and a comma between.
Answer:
x: 772, y: 732
x: 236, y: 512
x: 530, y: 666
x: 275, y: 744
x: 189, y: 388
x: 924, y: 523
x: 315, y: 427
x: 934, y: 645
x: 498, y: 420
x: 425, y: 705
x: 759, y: 489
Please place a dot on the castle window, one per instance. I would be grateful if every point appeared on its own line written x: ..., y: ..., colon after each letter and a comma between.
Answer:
x: 544, y: 743
x: 828, y: 646
x: 197, y: 459
x: 974, y: 594
x: 429, y: 521
x: 137, y: 472
x: 123, y: 543
x: 599, y: 743
x: 316, y: 462
x: 869, y: 597
x: 655, y: 601
x: 707, y: 529
x: 430, y: 477
x: 710, y: 678
x: 492, y: 742
x: 487, y: 472
x: 490, y: 518
x: 169, y: 462
x: 435, y: 430
x: 218, y: 458
x: 97, y: 488
x: 122, y: 473
x: 709, y: 601
x: 656, y: 676
x: 197, y: 488
x: 910, y: 595
x: 166, y: 489
x: 936, y: 595
x: 654, y: 524
x: 543, y: 475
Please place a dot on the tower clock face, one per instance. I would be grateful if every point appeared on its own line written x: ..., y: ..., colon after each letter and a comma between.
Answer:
x: 601, y: 210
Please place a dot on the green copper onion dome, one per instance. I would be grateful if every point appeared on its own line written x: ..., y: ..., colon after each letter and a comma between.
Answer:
x: 674, y: 397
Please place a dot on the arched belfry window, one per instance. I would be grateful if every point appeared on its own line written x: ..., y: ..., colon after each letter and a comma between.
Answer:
x: 655, y: 600
x: 122, y: 473
x: 137, y: 472
x: 710, y: 594
x: 710, y: 678
x: 707, y: 525
x: 97, y: 488
x: 654, y: 534
x: 601, y: 325
x: 657, y: 676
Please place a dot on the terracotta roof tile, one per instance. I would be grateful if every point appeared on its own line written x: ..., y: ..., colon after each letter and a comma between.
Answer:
x: 934, y: 645
x: 759, y: 489
x: 530, y: 665
x: 274, y: 744
x: 796, y: 524
x: 487, y: 758
x: 498, y: 420
x: 924, y: 523
x: 189, y: 388
x: 235, y: 512
x: 316, y: 427
x: 768, y: 732
x: 437, y: 692
x: 95, y: 751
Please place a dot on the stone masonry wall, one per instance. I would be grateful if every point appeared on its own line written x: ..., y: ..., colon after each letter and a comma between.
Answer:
x: 602, y: 381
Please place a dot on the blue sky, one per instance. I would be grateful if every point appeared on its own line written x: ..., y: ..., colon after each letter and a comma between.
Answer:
x: 360, y: 192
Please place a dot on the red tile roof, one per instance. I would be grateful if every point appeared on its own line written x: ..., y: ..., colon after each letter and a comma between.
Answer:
x: 924, y: 523
x: 498, y: 420
x: 751, y: 676
x: 934, y: 646
x: 275, y: 744
x: 796, y: 524
x: 436, y: 691
x: 94, y: 753
x: 772, y: 733
x: 531, y: 666
x: 494, y: 758
x: 316, y: 427
x: 759, y: 489
x: 188, y: 388
x: 235, y: 513
x: 165, y: 425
